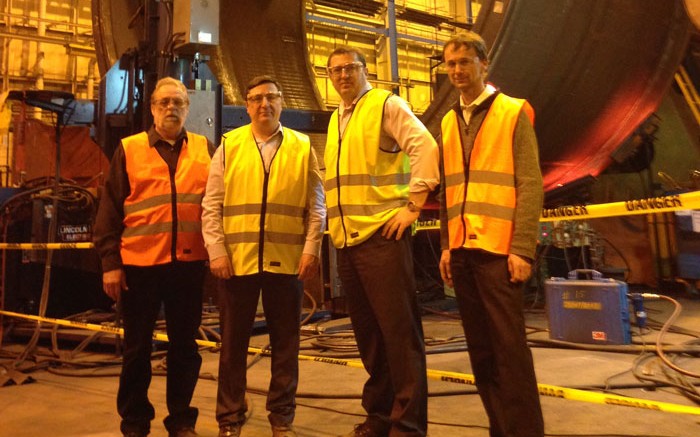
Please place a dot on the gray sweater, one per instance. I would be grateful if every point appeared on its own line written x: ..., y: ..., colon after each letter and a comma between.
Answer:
x: 528, y: 179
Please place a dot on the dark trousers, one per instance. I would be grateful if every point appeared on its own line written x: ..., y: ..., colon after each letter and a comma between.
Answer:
x: 492, y: 316
x: 378, y: 280
x: 238, y: 301
x: 178, y: 288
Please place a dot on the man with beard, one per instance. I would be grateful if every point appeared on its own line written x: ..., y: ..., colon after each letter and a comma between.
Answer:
x: 148, y: 235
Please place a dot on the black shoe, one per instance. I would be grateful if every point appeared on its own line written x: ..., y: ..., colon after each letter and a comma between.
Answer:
x: 135, y: 434
x: 187, y: 431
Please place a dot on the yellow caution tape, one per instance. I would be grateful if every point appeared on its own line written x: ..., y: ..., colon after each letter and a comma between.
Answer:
x: 649, y: 205
x: 675, y: 202
x: 458, y: 378
x: 578, y: 395
x: 44, y: 246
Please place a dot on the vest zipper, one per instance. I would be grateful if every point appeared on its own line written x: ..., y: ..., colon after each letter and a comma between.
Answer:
x: 263, y: 208
x: 465, y: 165
x: 337, y: 172
x: 173, y: 206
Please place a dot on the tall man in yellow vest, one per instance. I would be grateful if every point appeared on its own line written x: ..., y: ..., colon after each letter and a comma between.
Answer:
x: 381, y: 163
x: 148, y: 234
x: 263, y: 224
x: 490, y: 202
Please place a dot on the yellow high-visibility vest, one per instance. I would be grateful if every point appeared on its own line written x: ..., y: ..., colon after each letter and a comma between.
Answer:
x: 264, y: 213
x: 482, y: 216
x: 365, y: 185
x: 150, y: 221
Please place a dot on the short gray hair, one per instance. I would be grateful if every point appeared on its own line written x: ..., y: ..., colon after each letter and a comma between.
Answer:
x: 170, y: 81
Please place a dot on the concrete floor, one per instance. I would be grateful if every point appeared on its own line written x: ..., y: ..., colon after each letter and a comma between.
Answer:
x: 329, y: 404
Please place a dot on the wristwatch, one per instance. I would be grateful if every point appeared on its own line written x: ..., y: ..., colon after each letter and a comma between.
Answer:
x: 411, y: 205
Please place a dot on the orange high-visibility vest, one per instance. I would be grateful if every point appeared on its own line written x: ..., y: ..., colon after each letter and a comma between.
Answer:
x: 365, y: 186
x: 159, y: 209
x: 263, y: 216
x: 480, y: 202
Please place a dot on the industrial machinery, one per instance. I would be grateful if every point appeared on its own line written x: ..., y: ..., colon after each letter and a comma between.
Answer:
x: 578, y: 63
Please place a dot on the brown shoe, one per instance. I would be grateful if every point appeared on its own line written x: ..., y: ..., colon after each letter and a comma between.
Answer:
x: 283, y: 431
x: 230, y: 430
x: 364, y: 430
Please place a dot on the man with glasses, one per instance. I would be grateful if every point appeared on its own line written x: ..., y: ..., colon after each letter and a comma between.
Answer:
x: 263, y: 223
x: 381, y: 163
x: 148, y: 235
x: 490, y: 206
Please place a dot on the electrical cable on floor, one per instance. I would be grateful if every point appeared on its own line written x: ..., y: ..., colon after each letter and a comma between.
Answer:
x: 343, y: 344
x: 450, y: 424
x: 59, y: 192
x: 455, y: 339
x: 446, y: 314
x: 621, y: 348
x: 662, y: 333
x: 266, y: 349
x: 339, y: 342
x: 673, y: 329
x: 643, y: 373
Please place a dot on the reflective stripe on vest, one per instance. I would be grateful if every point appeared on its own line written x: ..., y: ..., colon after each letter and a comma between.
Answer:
x: 482, y: 217
x: 149, y: 218
x: 263, y: 215
x: 365, y: 186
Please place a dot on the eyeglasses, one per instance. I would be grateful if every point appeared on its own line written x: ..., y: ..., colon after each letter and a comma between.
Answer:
x: 258, y: 98
x: 166, y: 101
x: 347, y: 69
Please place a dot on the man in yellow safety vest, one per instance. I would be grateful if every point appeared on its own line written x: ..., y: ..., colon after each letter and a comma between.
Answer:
x: 263, y: 224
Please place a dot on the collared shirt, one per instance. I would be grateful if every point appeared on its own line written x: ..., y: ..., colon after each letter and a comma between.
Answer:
x: 401, y: 129
x: 213, y: 228
x: 268, y: 147
x: 468, y: 108
x: 168, y: 150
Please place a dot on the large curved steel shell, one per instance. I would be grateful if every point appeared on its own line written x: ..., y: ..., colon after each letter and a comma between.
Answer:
x: 117, y: 27
x: 255, y: 37
x: 593, y: 70
x: 267, y: 37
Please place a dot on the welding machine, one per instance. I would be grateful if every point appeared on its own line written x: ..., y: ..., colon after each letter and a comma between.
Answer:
x: 594, y: 311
